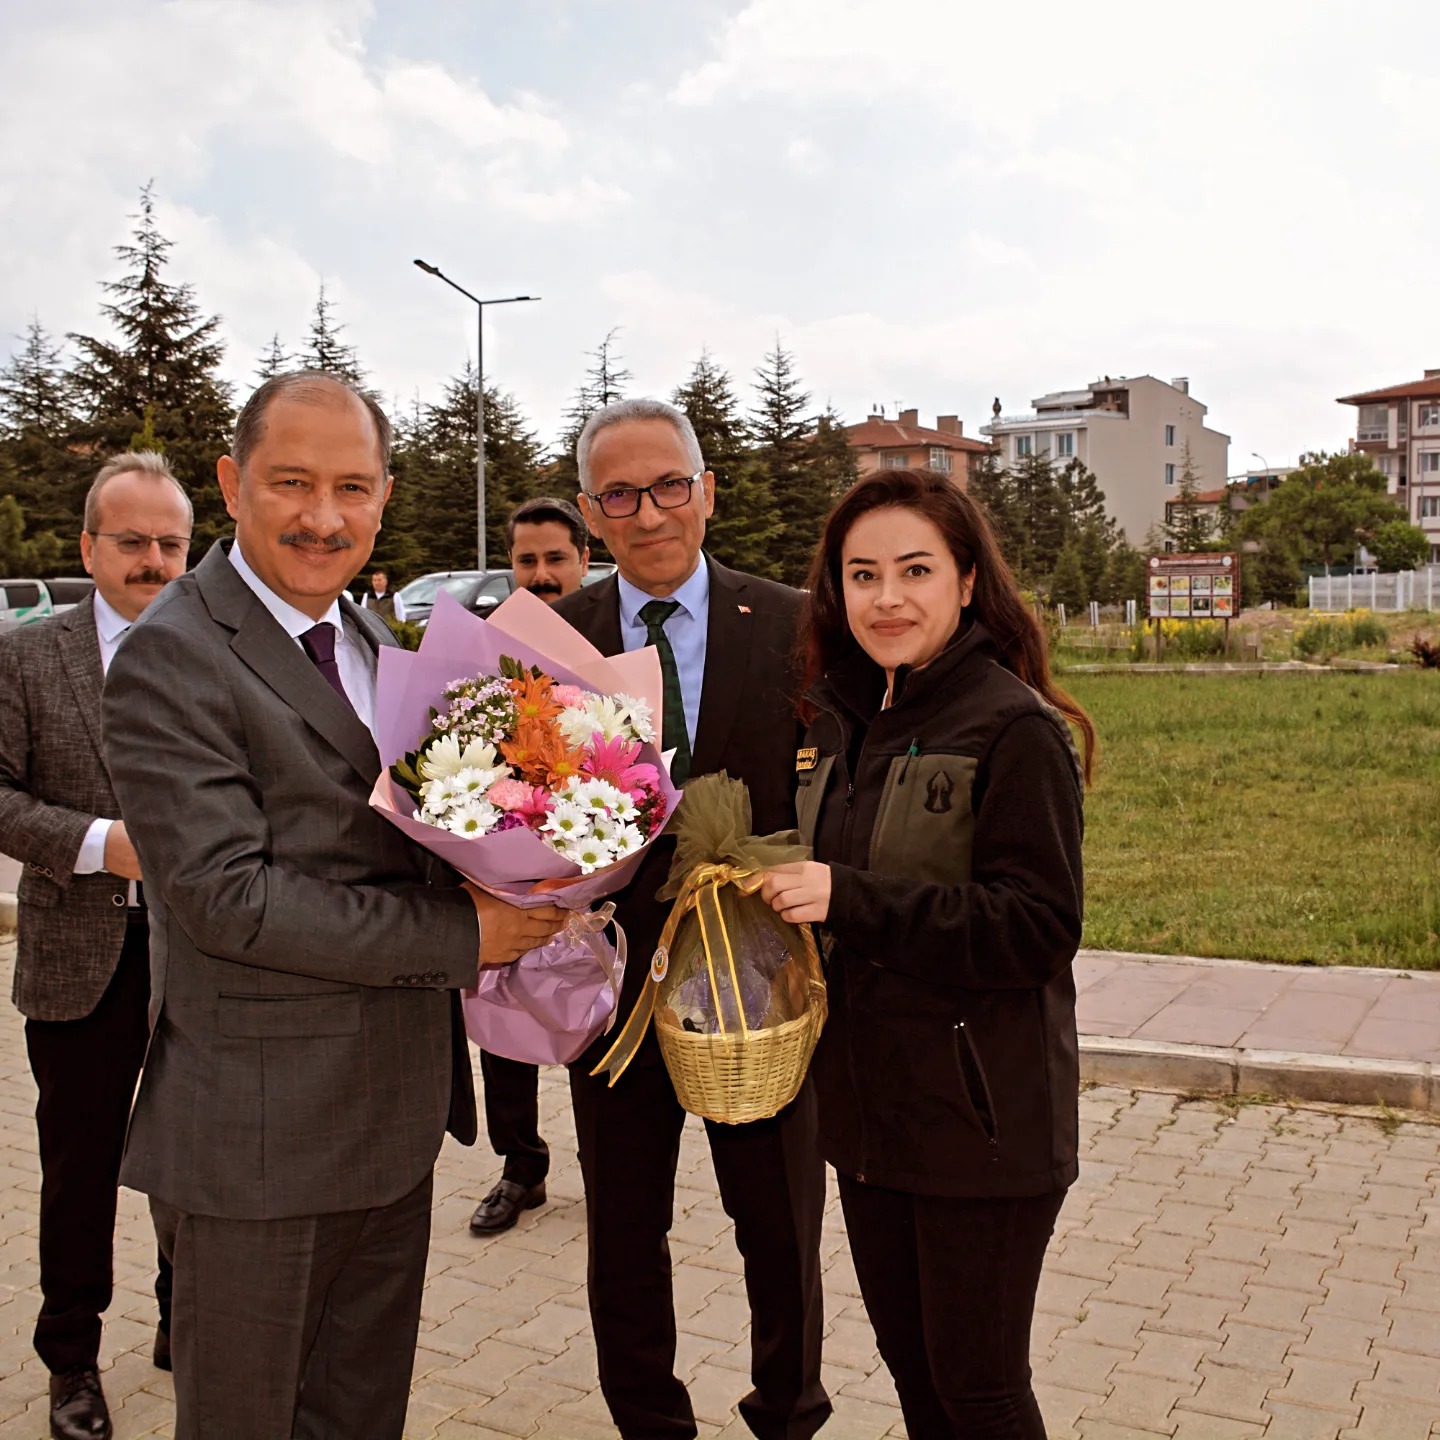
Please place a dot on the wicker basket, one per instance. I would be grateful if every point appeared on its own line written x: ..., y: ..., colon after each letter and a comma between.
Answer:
x: 734, y: 1078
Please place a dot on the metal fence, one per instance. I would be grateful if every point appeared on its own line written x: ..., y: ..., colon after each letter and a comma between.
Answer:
x: 1409, y: 590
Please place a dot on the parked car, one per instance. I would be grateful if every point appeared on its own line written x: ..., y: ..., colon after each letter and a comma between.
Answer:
x: 67, y: 591
x: 22, y: 602
x: 479, y: 591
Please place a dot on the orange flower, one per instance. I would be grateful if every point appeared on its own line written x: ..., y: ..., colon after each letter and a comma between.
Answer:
x: 533, y: 701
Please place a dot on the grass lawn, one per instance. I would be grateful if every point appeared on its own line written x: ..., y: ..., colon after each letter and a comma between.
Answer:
x: 1266, y: 817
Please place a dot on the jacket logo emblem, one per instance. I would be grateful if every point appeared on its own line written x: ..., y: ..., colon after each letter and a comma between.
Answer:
x: 937, y: 793
x: 807, y: 759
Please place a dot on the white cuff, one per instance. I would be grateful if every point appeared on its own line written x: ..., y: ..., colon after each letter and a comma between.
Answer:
x: 91, y: 859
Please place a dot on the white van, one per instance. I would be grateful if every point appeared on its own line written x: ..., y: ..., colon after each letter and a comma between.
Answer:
x: 24, y: 601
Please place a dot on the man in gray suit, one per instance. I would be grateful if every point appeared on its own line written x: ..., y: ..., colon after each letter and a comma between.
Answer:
x: 307, y: 1051
x: 82, y: 969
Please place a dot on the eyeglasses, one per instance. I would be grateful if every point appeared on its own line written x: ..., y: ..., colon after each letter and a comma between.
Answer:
x: 624, y: 500
x: 128, y: 542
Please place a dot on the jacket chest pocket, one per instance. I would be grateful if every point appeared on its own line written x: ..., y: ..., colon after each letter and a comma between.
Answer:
x: 810, y: 790
x: 925, y: 827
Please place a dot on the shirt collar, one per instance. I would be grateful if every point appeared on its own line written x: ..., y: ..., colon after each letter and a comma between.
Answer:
x: 693, y: 596
x: 109, y: 622
x: 292, y: 621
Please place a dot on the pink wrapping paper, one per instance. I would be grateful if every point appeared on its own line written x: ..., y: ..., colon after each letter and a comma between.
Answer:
x: 552, y: 1002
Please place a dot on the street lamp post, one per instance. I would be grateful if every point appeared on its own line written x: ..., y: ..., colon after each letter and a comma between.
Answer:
x: 481, y: 559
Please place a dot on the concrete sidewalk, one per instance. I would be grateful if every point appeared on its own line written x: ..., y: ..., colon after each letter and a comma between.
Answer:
x: 1353, y: 1036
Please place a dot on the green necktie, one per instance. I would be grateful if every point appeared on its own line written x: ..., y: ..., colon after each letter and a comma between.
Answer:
x: 654, y: 614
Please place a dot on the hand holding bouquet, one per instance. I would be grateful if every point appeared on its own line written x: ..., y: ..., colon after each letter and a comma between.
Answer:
x: 527, y: 761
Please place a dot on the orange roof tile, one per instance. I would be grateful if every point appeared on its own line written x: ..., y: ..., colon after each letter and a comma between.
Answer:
x: 1411, y: 390
x: 877, y: 433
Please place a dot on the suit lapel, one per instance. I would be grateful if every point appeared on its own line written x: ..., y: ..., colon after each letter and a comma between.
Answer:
x: 79, y: 644
x: 727, y: 661
x: 279, y: 661
x: 595, y: 613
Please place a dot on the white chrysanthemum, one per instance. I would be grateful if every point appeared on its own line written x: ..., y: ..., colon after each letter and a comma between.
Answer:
x: 639, y: 716
x: 596, y: 796
x: 474, y: 781
x: 589, y: 855
x: 568, y: 821
x: 445, y: 757
x: 626, y: 840
x: 576, y: 725
x: 623, y: 807
x: 438, y: 796
x: 603, y: 829
x: 476, y: 818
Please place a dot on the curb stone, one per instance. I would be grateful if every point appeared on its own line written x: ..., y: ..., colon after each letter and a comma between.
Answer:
x: 1287, y: 1075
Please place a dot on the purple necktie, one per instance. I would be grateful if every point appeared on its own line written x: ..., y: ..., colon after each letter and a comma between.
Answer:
x: 319, y: 643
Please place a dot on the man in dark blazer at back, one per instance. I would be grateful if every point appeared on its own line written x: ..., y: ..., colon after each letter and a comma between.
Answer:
x: 307, y: 1054
x: 726, y: 644
x: 82, y: 968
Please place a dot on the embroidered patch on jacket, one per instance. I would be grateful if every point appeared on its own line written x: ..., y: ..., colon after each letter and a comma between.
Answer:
x: 807, y: 759
x: 937, y: 793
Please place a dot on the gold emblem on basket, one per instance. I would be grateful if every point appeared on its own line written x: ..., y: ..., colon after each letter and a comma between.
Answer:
x: 659, y: 964
x: 807, y: 759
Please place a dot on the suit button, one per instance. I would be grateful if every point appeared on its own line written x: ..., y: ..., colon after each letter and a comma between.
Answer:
x: 117, y: 900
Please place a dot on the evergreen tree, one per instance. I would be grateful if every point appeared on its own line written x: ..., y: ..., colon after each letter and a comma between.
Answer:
x: 38, y: 467
x: 34, y: 557
x: 433, y: 525
x: 604, y: 383
x: 1126, y: 576
x: 324, y: 349
x: 1067, y: 584
x: 992, y: 488
x: 1187, y: 526
x: 746, y: 525
x: 274, y: 360
x: 1039, y: 517
x: 158, y: 376
x: 785, y: 452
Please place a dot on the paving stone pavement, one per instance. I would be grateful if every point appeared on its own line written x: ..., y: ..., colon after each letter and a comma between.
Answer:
x: 1221, y: 1271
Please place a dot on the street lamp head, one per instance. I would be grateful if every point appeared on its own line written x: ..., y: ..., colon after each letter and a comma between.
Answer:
x: 428, y: 268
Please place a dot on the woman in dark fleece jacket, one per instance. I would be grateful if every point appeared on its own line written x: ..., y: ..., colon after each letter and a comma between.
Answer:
x: 941, y: 790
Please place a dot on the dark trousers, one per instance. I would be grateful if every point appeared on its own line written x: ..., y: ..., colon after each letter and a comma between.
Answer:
x: 512, y: 1116
x: 949, y: 1286
x: 86, y: 1072
x: 301, y: 1328
x: 772, y: 1185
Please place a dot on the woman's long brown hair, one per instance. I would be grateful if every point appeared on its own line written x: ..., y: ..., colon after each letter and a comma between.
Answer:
x: 996, y: 601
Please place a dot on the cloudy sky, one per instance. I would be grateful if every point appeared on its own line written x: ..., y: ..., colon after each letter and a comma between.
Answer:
x: 931, y: 202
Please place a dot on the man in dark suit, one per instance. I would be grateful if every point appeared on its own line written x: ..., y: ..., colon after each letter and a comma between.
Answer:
x: 726, y: 643
x: 82, y: 968
x: 307, y: 1053
x: 549, y: 554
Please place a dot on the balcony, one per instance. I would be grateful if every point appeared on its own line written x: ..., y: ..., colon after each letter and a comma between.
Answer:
x: 1376, y: 434
x: 1046, y: 420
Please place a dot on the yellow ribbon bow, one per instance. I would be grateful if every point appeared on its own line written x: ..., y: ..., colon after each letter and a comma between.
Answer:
x: 704, y: 880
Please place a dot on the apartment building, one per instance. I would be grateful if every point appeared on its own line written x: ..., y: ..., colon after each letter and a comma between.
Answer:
x: 1131, y: 432
x: 1399, y: 428
x: 905, y: 444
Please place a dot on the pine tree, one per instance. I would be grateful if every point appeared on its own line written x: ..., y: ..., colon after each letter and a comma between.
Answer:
x: 324, y: 349
x: 274, y: 360
x: 785, y: 449
x: 1187, y: 526
x: 1067, y: 584
x: 604, y: 383
x: 33, y: 556
x: 158, y: 376
x: 435, y: 468
x: 992, y: 488
x: 746, y: 524
x: 1039, y: 518
x: 38, y: 466
x: 1125, y: 576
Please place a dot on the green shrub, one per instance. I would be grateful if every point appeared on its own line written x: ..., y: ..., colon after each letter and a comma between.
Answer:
x: 1367, y: 633
x: 1318, y: 638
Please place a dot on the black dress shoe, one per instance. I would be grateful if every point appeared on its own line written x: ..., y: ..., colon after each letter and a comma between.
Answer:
x: 161, y: 1353
x: 77, y: 1406
x: 501, y: 1208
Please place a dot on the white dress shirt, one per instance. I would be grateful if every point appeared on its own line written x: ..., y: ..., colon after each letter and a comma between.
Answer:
x: 110, y: 627
x: 687, y: 630
x: 352, y: 654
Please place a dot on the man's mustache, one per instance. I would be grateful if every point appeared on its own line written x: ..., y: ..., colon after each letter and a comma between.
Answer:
x: 544, y: 587
x: 311, y: 541
x: 147, y: 577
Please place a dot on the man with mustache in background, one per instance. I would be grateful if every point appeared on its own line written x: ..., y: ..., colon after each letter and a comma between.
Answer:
x: 82, y: 970
x: 549, y: 555
x: 307, y: 1052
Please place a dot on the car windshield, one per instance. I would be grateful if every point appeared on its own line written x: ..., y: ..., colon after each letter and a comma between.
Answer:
x: 424, y: 590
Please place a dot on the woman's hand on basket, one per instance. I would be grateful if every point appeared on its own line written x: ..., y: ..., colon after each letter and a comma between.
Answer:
x: 800, y: 892
x: 508, y: 932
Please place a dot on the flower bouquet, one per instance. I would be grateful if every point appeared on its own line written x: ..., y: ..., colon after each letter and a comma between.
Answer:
x: 736, y: 994
x: 526, y: 760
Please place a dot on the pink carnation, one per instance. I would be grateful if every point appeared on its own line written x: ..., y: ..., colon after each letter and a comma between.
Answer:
x: 570, y: 697
x: 509, y: 794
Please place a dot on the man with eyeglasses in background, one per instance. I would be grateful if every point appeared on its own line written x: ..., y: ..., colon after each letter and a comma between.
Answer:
x: 726, y: 643
x: 82, y: 969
